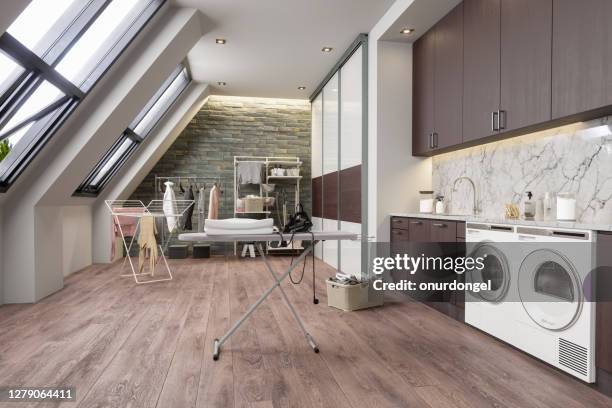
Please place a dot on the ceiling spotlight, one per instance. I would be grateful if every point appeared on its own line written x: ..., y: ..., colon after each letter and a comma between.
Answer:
x: 221, y: 83
x: 220, y: 41
x: 327, y: 49
x: 301, y: 88
x: 407, y: 31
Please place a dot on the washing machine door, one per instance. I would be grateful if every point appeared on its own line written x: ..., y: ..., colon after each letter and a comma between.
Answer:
x: 550, y: 289
x: 496, y: 270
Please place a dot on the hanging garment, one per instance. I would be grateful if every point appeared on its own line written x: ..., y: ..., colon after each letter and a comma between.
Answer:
x: 169, y: 206
x: 201, y: 209
x: 147, y: 242
x: 213, y: 203
x: 186, y: 221
x: 123, y: 223
x: 249, y: 172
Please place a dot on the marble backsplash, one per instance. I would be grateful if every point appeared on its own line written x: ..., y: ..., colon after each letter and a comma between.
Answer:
x: 576, y: 158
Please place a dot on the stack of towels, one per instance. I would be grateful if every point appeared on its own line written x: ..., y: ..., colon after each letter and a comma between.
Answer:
x: 239, y: 226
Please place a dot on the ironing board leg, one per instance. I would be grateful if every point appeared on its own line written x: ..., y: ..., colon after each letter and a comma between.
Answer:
x: 277, y: 282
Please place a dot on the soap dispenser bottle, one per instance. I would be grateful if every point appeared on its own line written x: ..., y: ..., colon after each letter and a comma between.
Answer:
x: 529, y: 207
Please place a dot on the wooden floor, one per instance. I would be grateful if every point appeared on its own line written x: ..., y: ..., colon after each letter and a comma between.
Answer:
x: 123, y: 345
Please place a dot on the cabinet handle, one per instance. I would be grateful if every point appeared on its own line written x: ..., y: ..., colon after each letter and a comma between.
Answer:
x: 439, y: 225
x: 416, y: 222
x: 431, y: 141
x: 494, y: 121
x: 502, y: 120
x: 435, y: 139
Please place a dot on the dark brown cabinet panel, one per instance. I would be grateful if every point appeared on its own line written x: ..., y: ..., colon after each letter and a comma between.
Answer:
x: 330, y: 196
x: 603, y: 308
x: 400, y: 223
x: 443, y: 231
x: 481, y: 66
x: 423, y: 91
x: 419, y: 230
x: 448, y: 80
x: 526, y: 35
x: 581, y: 56
x: 350, y: 194
x: 317, y: 197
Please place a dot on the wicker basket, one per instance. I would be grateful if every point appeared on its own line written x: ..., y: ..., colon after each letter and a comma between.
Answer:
x: 253, y: 204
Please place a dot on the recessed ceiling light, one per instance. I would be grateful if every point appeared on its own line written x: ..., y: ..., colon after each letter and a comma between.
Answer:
x: 327, y: 49
x: 220, y: 41
x: 221, y: 83
x: 407, y: 31
x: 301, y: 88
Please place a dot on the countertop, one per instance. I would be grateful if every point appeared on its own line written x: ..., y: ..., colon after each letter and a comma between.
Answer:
x: 528, y: 223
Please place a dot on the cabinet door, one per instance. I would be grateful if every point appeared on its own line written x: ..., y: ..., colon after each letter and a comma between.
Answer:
x: 481, y: 66
x: 418, y: 230
x: 526, y: 35
x: 423, y: 92
x: 443, y: 231
x: 603, y: 353
x: 448, y: 79
x: 582, y: 56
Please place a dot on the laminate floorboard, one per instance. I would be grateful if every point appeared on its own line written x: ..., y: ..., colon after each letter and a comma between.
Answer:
x: 127, y: 345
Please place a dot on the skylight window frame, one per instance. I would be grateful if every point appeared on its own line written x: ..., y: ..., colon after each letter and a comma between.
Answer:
x: 38, y: 69
x: 87, y: 189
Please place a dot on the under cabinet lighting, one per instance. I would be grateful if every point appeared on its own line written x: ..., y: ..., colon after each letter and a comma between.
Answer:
x: 220, y: 41
x: 407, y: 31
x: 327, y: 49
x: 221, y: 83
x: 301, y: 88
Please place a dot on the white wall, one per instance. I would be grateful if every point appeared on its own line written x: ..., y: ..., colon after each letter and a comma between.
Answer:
x: 394, y: 175
x: 76, y: 238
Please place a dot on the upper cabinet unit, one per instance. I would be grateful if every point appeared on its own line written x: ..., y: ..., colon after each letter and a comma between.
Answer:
x: 481, y: 67
x: 582, y: 57
x: 438, y: 89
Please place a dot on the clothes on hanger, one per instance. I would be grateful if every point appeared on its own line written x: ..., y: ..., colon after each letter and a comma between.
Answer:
x: 213, y: 203
x: 169, y: 206
x: 126, y: 224
x: 147, y: 242
x: 249, y: 172
x: 186, y: 221
x: 201, y: 209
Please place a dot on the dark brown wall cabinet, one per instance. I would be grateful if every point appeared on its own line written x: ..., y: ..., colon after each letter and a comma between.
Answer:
x: 438, y: 89
x: 506, y: 82
x: 582, y: 56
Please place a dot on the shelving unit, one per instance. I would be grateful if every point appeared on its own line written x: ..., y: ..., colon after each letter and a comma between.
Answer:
x: 268, y: 163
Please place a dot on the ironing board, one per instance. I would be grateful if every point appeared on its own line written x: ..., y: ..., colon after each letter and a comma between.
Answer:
x: 258, y: 239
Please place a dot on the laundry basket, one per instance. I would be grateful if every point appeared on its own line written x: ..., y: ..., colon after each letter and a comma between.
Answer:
x: 253, y: 204
x: 347, y: 297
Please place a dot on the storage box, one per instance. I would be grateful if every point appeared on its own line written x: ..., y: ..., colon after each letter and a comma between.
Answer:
x: 351, y: 297
x: 201, y: 251
x: 253, y: 204
x: 178, y: 251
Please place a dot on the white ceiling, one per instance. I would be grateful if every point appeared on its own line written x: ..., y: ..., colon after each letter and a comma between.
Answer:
x: 274, y: 46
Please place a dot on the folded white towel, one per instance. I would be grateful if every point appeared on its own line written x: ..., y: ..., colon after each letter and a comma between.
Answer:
x: 238, y: 224
x: 218, y: 231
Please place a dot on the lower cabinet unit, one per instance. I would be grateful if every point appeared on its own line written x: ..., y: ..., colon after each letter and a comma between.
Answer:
x: 439, y: 238
x: 603, y: 311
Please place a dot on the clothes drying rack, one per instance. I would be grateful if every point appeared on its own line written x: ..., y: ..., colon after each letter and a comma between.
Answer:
x: 137, y: 209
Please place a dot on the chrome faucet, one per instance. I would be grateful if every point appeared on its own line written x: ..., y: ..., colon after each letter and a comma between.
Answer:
x: 474, y: 207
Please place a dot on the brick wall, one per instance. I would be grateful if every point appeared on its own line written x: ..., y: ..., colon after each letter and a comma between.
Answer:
x: 231, y: 126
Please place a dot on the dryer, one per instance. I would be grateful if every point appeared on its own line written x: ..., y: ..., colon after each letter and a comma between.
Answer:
x: 556, y: 320
x: 490, y: 311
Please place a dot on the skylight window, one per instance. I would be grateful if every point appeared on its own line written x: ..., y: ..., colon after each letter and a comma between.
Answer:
x: 138, y: 130
x: 50, y: 57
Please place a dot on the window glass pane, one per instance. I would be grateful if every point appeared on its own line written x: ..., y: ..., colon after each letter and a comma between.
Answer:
x: 42, y: 22
x: 85, y: 54
x: 9, y: 71
x: 45, y: 95
x: 161, y: 105
x: 110, y: 164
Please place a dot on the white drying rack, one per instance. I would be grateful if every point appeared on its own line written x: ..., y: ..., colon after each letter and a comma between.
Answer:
x: 137, y: 209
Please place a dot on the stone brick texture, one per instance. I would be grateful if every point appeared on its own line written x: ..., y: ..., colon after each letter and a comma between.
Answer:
x: 234, y: 126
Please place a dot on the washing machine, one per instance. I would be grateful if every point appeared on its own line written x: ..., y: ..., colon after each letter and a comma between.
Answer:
x: 491, y: 310
x: 556, y: 320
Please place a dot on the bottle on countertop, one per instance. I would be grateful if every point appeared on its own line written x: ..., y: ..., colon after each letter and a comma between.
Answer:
x: 548, y: 206
x: 440, y: 205
x: 529, y: 207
